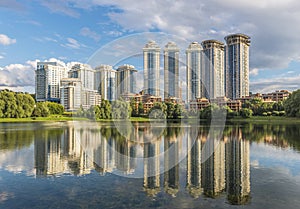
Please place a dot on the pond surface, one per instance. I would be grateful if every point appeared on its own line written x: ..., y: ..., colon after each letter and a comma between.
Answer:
x: 97, y: 165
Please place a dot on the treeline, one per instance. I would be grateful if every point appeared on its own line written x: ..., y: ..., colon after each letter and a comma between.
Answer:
x: 22, y: 105
x: 123, y: 110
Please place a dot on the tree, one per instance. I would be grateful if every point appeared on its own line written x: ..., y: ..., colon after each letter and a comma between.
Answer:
x: 158, y: 111
x: 246, y: 112
x: 209, y: 111
x: 121, y: 110
x: 105, y: 110
x: 41, y: 110
x: 55, y: 109
x: 178, y: 111
x: 292, y: 104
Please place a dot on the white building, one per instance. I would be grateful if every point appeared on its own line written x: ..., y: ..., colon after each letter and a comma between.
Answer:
x: 71, y: 93
x: 85, y: 73
x: 213, y: 64
x: 105, y: 82
x: 193, y: 68
x: 171, y: 70
x: 47, y: 82
x: 126, y: 80
x: 237, y: 66
x: 90, y: 98
x: 151, y: 53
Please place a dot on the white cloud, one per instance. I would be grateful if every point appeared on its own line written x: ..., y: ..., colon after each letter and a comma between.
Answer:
x: 270, y: 23
x: 254, y: 71
x: 61, y: 7
x: 5, y: 40
x: 1, y: 57
x: 72, y: 43
x: 21, y: 77
x: 272, y: 84
x: 85, y: 31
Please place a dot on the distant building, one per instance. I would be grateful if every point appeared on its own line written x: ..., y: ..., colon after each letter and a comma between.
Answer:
x: 90, y: 98
x: 193, y: 71
x: 70, y: 93
x: 151, y: 53
x: 213, y: 72
x: 171, y: 70
x: 199, y: 104
x: 237, y: 66
x: 73, y: 96
x: 47, y: 81
x: 126, y: 80
x: 105, y: 82
x: 276, y: 96
x: 85, y: 73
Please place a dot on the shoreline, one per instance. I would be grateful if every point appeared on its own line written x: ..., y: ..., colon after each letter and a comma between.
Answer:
x: 256, y: 119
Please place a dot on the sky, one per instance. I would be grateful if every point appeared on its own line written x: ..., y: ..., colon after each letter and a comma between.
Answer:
x: 81, y: 31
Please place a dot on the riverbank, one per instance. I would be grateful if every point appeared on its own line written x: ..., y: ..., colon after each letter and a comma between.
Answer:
x: 266, y: 119
x: 253, y: 119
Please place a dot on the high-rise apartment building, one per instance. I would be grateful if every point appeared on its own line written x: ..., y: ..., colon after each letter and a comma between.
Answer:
x: 237, y: 66
x: 71, y: 93
x: 47, y: 81
x: 85, y: 73
x: 171, y: 70
x: 213, y: 68
x: 151, y: 53
x: 126, y: 80
x: 193, y: 74
x: 105, y: 82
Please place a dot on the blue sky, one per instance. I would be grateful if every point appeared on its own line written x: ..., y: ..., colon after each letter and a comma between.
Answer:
x: 73, y: 30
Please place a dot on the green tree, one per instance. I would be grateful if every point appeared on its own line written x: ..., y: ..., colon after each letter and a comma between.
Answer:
x: 292, y: 104
x: 10, y: 104
x: 55, y: 109
x: 121, y: 110
x: 105, y: 110
x: 158, y: 111
x: 41, y: 110
x: 246, y: 112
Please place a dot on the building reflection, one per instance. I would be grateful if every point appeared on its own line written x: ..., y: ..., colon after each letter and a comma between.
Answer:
x: 193, y: 173
x: 237, y: 168
x: 171, y: 159
x: 213, y: 166
x: 152, y: 167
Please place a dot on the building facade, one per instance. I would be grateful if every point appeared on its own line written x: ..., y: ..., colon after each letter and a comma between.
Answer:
x: 85, y: 73
x: 126, y: 80
x: 193, y: 71
x: 213, y: 64
x: 237, y: 66
x: 47, y: 81
x: 105, y: 82
x: 151, y: 54
x: 171, y: 70
x: 70, y: 94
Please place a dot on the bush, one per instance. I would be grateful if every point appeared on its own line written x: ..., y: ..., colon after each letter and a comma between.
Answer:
x: 246, y: 112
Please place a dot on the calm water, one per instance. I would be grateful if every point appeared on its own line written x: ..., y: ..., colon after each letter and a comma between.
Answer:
x: 90, y: 165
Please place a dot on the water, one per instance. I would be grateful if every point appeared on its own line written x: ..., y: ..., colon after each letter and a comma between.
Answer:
x: 94, y: 165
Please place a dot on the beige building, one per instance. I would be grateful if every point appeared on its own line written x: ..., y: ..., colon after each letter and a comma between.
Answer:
x: 213, y: 68
x: 47, y: 81
x: 151, y: 53
x: 237, y: 66
x: 171, y: 70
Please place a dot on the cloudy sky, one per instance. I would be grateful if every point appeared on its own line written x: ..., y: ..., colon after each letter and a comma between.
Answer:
x: 75, y: 30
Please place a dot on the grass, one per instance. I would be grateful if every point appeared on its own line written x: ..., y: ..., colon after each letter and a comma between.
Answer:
x: 256, y: 119
x: 39, y: 119
x: 267, y: 119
